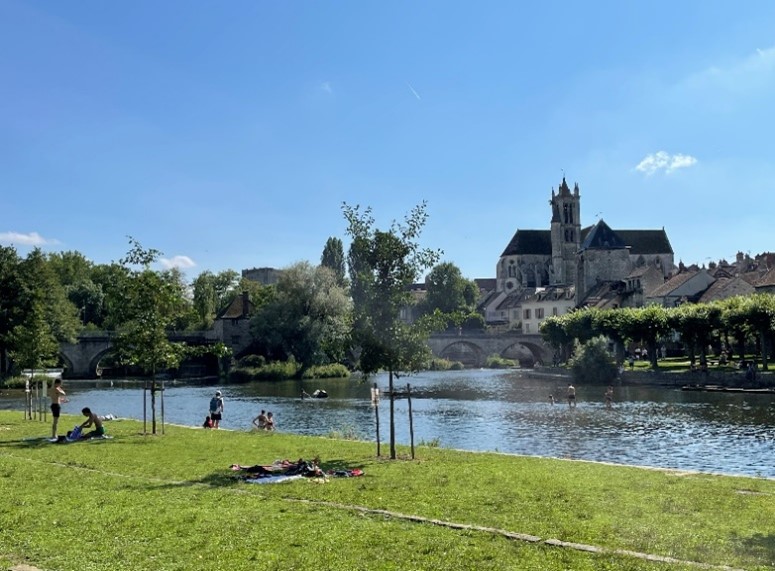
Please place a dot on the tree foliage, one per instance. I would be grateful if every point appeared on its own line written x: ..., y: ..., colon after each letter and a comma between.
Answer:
x: 383, y: 265
x: 307, y: 319
x: 333, y: 259
x: 592, y: 363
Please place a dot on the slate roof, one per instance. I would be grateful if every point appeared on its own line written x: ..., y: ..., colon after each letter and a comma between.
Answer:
x: 601, y: 237
x: 514, y: 299
x: 486, y: 284
x: 539, y: 242
x: 530, y: 242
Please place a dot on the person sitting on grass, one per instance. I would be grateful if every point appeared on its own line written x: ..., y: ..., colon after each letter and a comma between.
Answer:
x: 92, y: 420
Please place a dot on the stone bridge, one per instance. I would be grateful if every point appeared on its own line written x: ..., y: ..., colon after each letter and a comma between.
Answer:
x: 472, y: 349
x: 82, y: 358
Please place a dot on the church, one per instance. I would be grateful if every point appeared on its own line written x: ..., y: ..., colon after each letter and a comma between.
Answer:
x: 595, y: 265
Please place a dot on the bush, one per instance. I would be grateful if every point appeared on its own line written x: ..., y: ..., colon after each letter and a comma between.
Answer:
x: 252, y: 361
x: 473, y: 322
x: 331, y: 371
x: 592, y: 363
x: 275, y: 371
x: 498, y: 362
x: 439, y: 364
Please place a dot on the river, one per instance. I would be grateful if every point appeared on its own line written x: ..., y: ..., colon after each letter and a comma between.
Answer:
x: 484, y: 410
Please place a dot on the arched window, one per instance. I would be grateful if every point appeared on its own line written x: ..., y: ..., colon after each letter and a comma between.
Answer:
x: 565, y: 212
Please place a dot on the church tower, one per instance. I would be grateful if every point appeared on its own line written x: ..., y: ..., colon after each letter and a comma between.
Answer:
x: 565, y: 233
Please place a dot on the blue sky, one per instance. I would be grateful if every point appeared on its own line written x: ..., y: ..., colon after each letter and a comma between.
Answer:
x: 228, y: 134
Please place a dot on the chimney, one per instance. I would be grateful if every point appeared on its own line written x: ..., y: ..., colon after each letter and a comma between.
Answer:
x: 245, y: 303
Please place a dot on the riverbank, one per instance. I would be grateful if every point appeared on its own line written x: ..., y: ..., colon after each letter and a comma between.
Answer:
x: 171, y: 502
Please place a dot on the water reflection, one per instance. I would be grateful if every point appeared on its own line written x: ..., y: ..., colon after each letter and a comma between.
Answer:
x: 499, y: 411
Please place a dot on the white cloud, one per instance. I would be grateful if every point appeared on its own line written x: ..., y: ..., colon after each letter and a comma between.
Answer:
x: 326, y: 86
x: 180, y: 262
x: 662, y: 161
x: 31, y: 239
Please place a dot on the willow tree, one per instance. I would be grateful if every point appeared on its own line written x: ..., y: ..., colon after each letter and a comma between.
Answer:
x: 383, y: 264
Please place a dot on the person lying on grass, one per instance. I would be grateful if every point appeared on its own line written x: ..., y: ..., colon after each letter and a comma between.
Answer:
x: 92, y: 420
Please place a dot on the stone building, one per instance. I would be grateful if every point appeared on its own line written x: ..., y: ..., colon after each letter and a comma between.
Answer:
x: 567, y: 255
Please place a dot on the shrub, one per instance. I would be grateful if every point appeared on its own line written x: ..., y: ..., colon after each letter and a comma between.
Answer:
x: 439, y: 364
x: 592, y: 363
x: 331, y: 371
x: 473, y: 322
x: 498, y: 362
x: 252, y: 361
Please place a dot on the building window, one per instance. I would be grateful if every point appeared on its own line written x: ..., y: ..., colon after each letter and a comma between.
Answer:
x: 526, y: 314
x: 540, y: 313
x: 527, y: 328
x: 554, y: 311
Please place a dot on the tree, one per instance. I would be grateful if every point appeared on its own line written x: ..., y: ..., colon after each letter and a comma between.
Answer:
x: 383, y: 264
x: 647, y: 324
x: 759, y: 313
x: 696, y: 324
x: 308, y: 319
x: 448, y: 291
x: 333, y: 258
x: 48, y: 317
x: 11, y: 310
x: 113, y: 280
x: 212, y: 293
x: 592, y: 363
x: 554, y: 332
x: 152, y: 303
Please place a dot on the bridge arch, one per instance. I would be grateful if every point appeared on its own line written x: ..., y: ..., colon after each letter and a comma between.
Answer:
x: 528, y: 354
x: 465, y: 352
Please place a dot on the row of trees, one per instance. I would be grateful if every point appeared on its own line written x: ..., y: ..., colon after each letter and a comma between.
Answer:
x: 733, y: 323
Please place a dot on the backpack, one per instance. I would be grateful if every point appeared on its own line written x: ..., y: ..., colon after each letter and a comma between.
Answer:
x: 215, y: 404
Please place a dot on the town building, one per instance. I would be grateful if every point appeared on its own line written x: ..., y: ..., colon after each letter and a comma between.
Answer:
x: 570, y: 258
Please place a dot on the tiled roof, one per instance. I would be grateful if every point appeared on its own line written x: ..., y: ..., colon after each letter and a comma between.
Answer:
x: 514, y: 299
x: 725, y: 287
x: 554, y: 293
x: 236, y: 309
x: 767, y: 280
x: 486, y: 284
x: 638, y: 272
x: 673, y: 283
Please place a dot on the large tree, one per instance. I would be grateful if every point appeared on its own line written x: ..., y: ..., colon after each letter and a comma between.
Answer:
x: 307, y: 319
x: 448, y: 291
x: 48, y: 316
x: 11, y: 309
x: 383, y: 264
x: 212, y: 293
x: 333, y: 258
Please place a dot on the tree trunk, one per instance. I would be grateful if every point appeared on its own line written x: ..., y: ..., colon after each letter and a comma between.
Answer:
x: 153, y: 401
x: 764, y: 350
x: 392, y: 416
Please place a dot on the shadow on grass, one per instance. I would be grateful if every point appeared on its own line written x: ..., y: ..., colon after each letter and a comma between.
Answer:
x: 760, y: 546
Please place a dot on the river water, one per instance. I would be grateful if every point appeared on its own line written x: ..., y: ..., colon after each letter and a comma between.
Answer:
x: 732, y: 433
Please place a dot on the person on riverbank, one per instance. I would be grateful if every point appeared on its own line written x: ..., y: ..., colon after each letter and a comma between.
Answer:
x: 269, y: 425
x: 91, y: 420
x: 260, y: 421
x: 571, y: 396
x: 216, y: 409
x: 58, y: 396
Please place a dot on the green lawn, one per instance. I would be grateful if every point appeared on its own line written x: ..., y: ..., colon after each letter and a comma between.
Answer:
x: 170, y: 503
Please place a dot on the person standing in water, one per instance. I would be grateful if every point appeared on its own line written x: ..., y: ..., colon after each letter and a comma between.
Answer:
x: 571, y: 396
x: 216, y: 409
x: 58, y: 396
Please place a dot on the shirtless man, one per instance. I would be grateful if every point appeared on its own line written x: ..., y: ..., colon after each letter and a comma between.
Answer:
x: 58, y: 396
x: 92, y: 420
x: 260, y: 421
x: 571, y: 396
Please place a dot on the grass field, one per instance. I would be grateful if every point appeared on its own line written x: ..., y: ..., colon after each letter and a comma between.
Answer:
x: 171, y: 503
